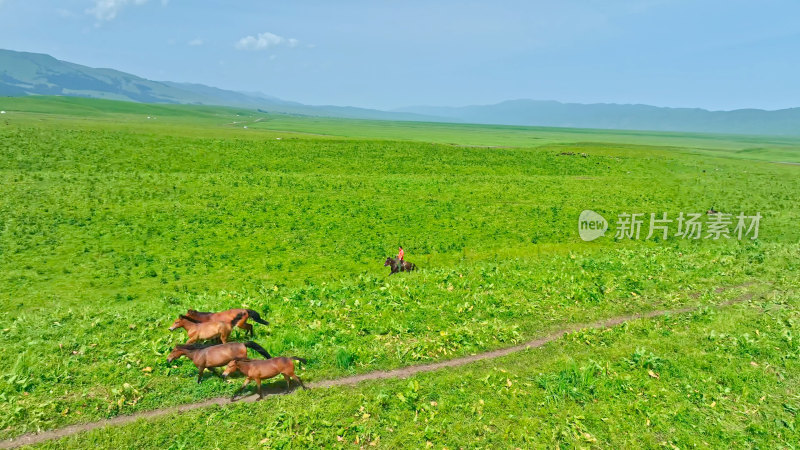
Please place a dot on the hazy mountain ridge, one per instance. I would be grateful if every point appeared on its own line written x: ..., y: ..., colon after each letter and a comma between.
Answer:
x: 617, y: 116
x: 24, y: 74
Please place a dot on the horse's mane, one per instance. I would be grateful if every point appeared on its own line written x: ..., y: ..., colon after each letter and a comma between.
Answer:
x: 192, y: 311
x: 182, y: 316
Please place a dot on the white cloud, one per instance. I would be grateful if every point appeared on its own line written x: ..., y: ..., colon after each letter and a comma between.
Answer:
x: 265, y: 40
x: 108, y: 9
x: 196, y: 42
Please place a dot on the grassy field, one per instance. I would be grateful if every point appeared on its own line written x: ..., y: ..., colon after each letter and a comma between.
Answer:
x: 112, y: 223
x: 711, y: 379
x: 230, y: 122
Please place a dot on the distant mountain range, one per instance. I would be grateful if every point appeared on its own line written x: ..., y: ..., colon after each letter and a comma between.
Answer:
x: 24, y: 74
x: 621, y: 117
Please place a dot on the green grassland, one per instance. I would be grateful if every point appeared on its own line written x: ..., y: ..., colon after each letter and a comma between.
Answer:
x: 111, y: 224
x: 763, y: 148
x: 711, y: 379
x: 230, y: 122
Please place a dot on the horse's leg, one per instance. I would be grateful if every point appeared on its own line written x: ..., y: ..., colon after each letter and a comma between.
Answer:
x: 248, y: 328
x: 200, y: 369
x: 288, y: 383
x: 299, y: 381
x: 246, y: 380
x: 192, y: 339
x: 224, y: 337
x: 258, y: 383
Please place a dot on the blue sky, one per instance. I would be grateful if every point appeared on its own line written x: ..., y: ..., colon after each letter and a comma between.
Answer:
x: 711, y: 54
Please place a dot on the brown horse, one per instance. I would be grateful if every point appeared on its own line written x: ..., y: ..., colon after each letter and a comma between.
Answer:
x: 260, y: 369
x: 226, y: 316
x: 208, y: 356
x: 399, y: 265
x: 204, y: 330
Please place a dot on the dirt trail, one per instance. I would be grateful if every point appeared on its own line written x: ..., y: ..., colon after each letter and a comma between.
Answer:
x: 403, y: 372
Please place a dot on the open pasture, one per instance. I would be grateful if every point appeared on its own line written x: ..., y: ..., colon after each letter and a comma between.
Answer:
x: 112, y: 224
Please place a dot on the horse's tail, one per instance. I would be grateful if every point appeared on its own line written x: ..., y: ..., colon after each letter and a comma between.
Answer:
x: 299, y: 360
x: 237, y: 319
x: 256, y: 316
x: 258, y: 348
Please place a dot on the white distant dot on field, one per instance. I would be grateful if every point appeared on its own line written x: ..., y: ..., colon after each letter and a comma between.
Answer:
x: 2, y: 112
x: 278, y: 139
x: 245, y: 127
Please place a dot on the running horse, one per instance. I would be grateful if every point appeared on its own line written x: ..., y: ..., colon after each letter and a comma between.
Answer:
x: 226, y: 316
x: 261, y: 369
x: 197, y: 330
x: 210, y: 356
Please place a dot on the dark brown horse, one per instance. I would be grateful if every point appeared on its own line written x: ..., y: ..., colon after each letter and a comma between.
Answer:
x: 208, y: 356
x: 398, y: 265
x: 226, y: 316
x: 260, y: 369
